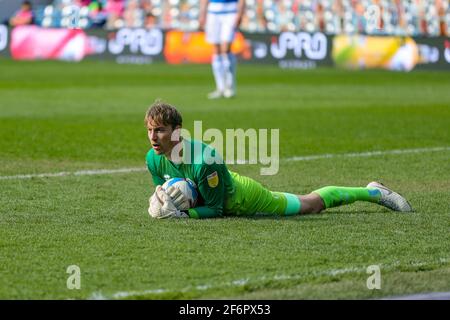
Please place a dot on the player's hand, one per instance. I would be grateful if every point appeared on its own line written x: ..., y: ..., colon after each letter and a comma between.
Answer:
x: 180, y: 201
x: 201, y: 23
x: 168, y: 208
x: 237, y: 24
x: 155, y: 205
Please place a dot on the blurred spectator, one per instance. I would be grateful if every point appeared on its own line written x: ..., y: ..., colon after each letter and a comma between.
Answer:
x: 150, y: 21
x: 284, y: 17
x: 151, y: 18
x: 388, y: 17
x: 97, y: 14
x: 166, y: 15
x: 133, y: 15
x: 147, y: 6
x: 261, y: 22
x: 23, y: 16
x: 360, y: 19
x: 114, y: 10
x: 187, y: 17
x: 83, y: 3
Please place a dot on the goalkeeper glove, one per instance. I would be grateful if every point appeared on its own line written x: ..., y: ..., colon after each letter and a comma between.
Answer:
x: 164, y: 207
x: 154, y: 205
x: 180, y: 201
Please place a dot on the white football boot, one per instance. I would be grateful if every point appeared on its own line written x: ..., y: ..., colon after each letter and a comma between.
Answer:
x: 391, y: 199
x: 229, y: 93
x: 215, y: 94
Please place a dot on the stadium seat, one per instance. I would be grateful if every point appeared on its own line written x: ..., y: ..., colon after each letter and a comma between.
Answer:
x: 403, y: 17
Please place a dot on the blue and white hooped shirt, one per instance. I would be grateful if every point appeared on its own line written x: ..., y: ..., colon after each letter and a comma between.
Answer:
x: 222, y: 6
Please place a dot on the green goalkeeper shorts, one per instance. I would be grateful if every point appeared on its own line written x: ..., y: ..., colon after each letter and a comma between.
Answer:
x: 251, y: 197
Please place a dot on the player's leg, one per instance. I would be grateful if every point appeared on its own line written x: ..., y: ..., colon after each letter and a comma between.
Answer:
x: 212, y: 29
x: 331, y: 196
x: 229, y: 67
x: 251, y: 197
x: 218, y: 72
x: 311, y: 203
x: 228, y: 32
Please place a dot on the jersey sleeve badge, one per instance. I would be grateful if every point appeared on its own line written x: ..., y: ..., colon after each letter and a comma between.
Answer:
x: 213, y: 179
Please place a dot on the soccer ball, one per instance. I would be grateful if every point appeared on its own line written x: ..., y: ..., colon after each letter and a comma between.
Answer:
x: 187, y: 187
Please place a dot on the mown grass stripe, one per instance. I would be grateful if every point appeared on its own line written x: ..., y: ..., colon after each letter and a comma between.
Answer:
x: 297, y: 158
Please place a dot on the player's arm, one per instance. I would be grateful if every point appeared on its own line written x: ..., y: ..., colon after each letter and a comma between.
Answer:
x: 157, y: 179
x: 202, y: 14
x: 240, y: 13
x: 211, y: 186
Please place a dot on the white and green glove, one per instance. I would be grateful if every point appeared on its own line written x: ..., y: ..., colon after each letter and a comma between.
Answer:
x: 180, y: 201
x: 154, y: 205
x: 162, y: 206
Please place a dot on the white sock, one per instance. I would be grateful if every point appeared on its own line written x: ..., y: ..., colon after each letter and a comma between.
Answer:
x: 218, y: 71
x: 227, y: 60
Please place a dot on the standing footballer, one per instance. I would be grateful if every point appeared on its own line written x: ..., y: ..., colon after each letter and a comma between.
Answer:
x: 223, y: 192
x: 220, y: 19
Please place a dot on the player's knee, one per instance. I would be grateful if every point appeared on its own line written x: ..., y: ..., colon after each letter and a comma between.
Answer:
x: 311, y: 203
x: 217, y: 49
x: 225, y: 48
x: 315, y: 208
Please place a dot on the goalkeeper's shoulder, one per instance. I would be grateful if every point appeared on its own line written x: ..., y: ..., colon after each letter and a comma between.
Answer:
x: 150, y: 154
x: 152, y: 160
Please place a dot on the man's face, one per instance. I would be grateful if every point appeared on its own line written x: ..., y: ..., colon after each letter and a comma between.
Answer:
x: 160, y: 137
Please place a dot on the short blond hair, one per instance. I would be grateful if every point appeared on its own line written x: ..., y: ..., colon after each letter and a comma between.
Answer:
x: 164, y: 114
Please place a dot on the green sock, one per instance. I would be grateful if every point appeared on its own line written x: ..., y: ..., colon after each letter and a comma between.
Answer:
x: 337, y: 196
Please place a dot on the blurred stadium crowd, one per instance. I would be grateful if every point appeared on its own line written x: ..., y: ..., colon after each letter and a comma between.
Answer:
x: 394, y: 17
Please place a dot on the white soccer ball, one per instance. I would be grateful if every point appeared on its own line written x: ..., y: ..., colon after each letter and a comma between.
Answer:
x: 186, y: 186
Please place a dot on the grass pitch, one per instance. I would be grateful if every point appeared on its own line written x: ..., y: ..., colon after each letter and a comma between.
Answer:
x: 58, y: 117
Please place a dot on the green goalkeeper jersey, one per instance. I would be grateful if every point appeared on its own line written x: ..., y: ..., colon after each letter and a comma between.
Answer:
x: 221, y: 192
x: 205, y: 168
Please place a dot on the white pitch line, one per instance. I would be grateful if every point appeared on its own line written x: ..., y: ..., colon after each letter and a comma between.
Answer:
x: 241, y: 282
x: 234, y: 283
x: 298, y: 158
x: 76, y: 173
x: 365, y: 154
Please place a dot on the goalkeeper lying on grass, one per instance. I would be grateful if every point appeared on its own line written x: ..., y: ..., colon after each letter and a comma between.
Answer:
x: 223, y: 192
